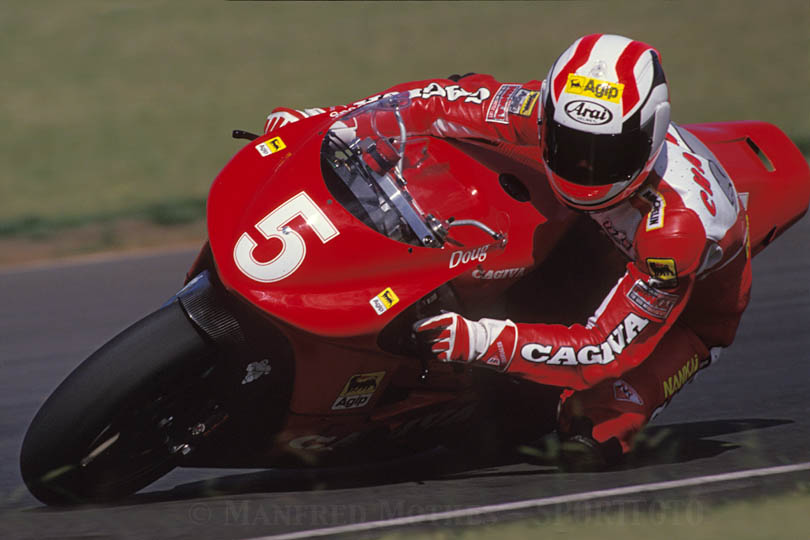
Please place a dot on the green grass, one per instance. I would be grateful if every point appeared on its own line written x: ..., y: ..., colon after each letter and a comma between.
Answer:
x: 783, y: 517
x: 176, y: 211
x: 113, y: 108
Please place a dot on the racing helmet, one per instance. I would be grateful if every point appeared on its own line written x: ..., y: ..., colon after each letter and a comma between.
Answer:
x: 605, y: 114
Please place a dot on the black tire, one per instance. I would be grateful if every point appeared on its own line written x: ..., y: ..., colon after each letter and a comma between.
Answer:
x: 124, y: 388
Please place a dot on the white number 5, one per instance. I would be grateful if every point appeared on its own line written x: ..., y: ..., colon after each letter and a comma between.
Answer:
x: 293, y: 247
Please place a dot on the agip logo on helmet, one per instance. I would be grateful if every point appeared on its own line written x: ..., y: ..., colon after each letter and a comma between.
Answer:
x: 594, y: 88
x: 591, y: 103
x: 588, y: 111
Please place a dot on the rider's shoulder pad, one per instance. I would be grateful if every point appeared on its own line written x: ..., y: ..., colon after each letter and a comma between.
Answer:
x: 677, y: 246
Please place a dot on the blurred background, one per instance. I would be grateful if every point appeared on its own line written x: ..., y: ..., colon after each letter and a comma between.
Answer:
x: 117, y: 115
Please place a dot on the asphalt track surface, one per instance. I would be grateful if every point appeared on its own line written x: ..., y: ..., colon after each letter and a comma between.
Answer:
x: 750, y: 411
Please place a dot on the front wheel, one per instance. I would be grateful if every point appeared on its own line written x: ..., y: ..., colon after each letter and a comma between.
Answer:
x: 117, y: 423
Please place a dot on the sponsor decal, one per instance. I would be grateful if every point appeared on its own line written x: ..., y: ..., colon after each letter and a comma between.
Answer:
x: 255, y: 370
x: 653, y: 302
x: 506, y: 273
x: 459, y: 257
x: 451, y: 93
x: 581, y: 85
x: 622, y: 391
x: 681, y: 377
x: 358, y: 390
x: 523, y: 102
x: 270, y: 146
x: 588, y: 112
x: 664, y: 272
x: 511, y: 99
x: 655, y: 218
x: 603, y: 353
x: 498, y: 109
x: 384, y: 301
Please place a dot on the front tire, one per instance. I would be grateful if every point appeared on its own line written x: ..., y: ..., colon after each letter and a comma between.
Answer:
x: 111, y: 427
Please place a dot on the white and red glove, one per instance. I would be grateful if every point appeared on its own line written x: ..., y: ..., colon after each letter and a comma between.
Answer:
x: 281, y: 116
x: 452, y: 338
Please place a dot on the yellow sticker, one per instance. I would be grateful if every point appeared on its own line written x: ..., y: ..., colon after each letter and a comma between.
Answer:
x: 528, y: 103
x: 586, y: 86
x: 384, y: 301
x: 664, y: 271
x: 270, y: 146
x: 358, y: 390
x: 362, y: 383
x: 655, y: 217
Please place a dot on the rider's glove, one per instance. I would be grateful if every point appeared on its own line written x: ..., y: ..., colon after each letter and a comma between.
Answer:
x: 281, y: 116
x: 452, y: 338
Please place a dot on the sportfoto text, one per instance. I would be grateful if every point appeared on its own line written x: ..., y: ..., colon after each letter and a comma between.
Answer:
x: 312, y: 516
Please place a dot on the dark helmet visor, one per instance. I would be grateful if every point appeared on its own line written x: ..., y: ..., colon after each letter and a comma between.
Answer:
x: 590, y: 159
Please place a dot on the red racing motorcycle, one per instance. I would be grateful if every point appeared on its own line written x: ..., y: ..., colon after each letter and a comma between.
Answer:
x: 290, y: 344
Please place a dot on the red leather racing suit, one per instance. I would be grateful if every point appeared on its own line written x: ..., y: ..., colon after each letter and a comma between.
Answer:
x: 684, y: 233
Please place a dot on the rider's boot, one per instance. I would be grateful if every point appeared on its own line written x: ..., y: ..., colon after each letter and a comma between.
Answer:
x: 580, y: 452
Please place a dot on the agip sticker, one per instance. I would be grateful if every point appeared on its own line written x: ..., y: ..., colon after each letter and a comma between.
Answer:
x: 384, y: 301
x: 358, y: 390
x: 581, y: 85
x: 664, y: 272
x: 270, y: 146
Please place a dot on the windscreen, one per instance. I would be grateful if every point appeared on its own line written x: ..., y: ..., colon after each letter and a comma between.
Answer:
x: 366, y: 158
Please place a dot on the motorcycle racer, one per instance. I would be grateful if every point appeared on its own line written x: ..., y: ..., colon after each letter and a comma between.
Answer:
x: 606, y: 148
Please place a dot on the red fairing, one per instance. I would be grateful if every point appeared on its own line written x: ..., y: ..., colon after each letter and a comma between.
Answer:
x: 765, y: 166
x: 275, y: 229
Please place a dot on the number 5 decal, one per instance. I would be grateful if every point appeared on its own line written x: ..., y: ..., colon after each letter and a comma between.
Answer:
x: 293, y: 247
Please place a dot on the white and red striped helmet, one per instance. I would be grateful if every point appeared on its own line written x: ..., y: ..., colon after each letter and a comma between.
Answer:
x: 604, y: 118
